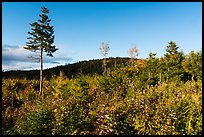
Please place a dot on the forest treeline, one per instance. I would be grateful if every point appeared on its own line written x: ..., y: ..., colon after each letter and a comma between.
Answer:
x: 152, y: 96
x: 69, y: 70
x: 185, y: 67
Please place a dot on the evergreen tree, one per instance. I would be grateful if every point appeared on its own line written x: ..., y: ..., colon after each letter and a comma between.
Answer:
x: 42, y: 40
x: 172, y: 48
x: 152, y: 62
x: 173, y: 60
x: 192, y: 64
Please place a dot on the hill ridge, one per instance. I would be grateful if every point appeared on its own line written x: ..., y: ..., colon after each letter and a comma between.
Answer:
x: 69, y: 70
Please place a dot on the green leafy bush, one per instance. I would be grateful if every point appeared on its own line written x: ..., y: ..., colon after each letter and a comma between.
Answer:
x: 38, y: 122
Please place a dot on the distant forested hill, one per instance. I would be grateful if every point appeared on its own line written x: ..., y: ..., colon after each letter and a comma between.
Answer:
x: 71, y: 70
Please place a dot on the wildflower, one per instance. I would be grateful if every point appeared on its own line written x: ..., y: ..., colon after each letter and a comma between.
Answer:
x: 55, y: 110
x: 168, y: 121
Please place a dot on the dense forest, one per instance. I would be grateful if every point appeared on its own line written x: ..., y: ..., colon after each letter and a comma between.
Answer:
x: 152, y: 96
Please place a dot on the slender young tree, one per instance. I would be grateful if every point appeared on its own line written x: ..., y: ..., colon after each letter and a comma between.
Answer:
x: 41, y: 40
x: 133, y: 52
x: 104, y: 51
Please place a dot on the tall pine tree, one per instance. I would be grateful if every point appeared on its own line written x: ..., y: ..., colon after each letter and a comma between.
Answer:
x: 42, y: 40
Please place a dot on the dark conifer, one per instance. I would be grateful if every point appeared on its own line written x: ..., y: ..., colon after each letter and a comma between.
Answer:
x: 41, y: 40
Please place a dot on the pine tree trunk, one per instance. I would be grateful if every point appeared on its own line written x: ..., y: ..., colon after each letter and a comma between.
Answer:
x: 41, y: 74
x: 160, y: 77
x: 149, y: 75
x: 192, y: 78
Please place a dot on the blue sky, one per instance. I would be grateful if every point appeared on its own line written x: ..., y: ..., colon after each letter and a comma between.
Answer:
x: 81, y: 27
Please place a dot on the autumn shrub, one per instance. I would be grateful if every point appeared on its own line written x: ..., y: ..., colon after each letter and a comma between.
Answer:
x: 8, y: 120
x: 68, y: 118
x: 36, y: 122
x: 118, y: 102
